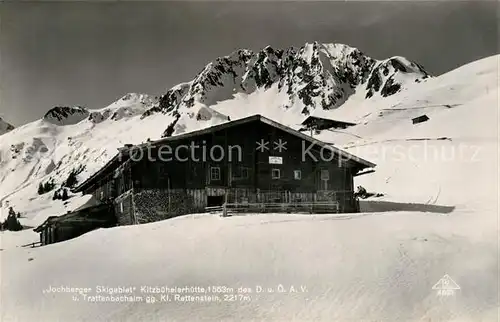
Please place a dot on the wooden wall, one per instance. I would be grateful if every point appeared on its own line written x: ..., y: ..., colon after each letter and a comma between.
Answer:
x: 112, y: 184
x: 124, y: 209
x: 74, y: 224
x: 193, y: 171
x: 188, y: 183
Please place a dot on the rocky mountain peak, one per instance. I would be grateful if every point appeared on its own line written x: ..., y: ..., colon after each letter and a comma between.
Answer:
x: 5, y: 127
x: 66, y: 115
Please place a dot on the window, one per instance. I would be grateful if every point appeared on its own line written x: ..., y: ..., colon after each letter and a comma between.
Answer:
x: 297, y: 174
x: 275, y: 173
x: 325, y: 175
x: 214, y: 173
x: 121, y: 207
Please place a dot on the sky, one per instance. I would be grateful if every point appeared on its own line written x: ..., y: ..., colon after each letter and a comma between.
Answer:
x: 92, y: 53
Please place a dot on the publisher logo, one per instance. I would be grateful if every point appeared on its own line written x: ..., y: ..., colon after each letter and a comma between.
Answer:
x: 446, y: 286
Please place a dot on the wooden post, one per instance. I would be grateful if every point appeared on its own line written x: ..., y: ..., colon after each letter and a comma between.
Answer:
x: 224, y: 210
x: 314, y: 200
x: 224, y: 206
x: 168, y: 189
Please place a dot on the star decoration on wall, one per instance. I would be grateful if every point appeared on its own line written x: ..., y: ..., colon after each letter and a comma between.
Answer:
x: 280, y: 145
x: 262, y: 146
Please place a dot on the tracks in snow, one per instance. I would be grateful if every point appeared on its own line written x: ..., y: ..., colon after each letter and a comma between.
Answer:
x: 398, y: 140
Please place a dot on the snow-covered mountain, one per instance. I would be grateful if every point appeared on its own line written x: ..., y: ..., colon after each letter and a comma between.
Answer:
x: 5, y: 127
x: 315, y: 76
x: 273, y: 82
x: 381, y: 265
x: 71, y: 139
x: 129, y: 105
x: 65, y: 115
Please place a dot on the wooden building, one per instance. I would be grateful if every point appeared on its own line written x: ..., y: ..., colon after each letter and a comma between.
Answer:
x: 251, y: 160
x: 321, y: 123
x: 73, y: 224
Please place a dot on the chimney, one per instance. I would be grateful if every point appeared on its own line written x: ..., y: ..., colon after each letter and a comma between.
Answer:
x: 125, y: 147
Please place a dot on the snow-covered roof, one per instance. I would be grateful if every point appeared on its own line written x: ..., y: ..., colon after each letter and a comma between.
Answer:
x: 329, y: 119
x: 115, y: 160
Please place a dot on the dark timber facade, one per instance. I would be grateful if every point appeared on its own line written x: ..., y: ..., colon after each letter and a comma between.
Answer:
x: 224, y: 163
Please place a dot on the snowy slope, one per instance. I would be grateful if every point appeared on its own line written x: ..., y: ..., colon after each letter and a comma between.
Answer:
x: 41, y: 151
x: 375, y: 266
x: 283, y: 85
x: 371, y: 268
x: 453, y: 155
